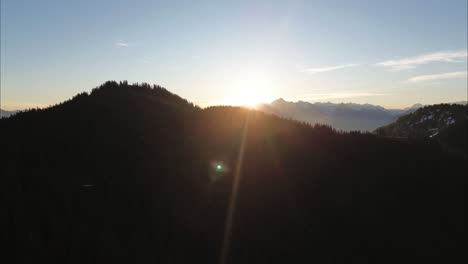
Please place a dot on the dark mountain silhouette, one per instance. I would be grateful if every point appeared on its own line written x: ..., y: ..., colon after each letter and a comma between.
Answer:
x: 344, y: 116
x: 446, y: 123
x: 136, y: 174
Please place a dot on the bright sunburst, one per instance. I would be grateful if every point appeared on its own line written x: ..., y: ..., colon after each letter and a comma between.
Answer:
x: 251, y: 89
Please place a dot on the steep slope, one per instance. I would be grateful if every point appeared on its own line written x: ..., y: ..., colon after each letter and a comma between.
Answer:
x: 129, y: 173
x: 426, y: 121
x: 342, y: 116
x: 446, y: 123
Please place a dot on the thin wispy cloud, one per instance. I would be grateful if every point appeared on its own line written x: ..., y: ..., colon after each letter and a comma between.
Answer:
x: 122, y: 44
x: 326, y: 69
x: 437, y: 77
x: 412, y: 62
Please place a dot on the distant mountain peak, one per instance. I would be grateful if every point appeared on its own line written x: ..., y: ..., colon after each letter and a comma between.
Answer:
x: 415, y: 106
x: 5, y: 113
x: 279, y: 101
x: 343, y: 116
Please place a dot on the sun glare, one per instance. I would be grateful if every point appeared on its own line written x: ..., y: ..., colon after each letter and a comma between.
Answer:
x: 249, y: 97
x: 251, y: 89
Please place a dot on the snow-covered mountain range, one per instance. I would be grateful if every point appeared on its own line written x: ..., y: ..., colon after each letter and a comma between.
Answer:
x: 342, y: 116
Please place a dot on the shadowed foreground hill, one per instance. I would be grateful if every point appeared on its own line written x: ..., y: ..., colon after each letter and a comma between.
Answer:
x: 129, y: 174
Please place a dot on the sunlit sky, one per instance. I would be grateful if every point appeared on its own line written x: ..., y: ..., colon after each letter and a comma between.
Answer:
x: 390, y: 53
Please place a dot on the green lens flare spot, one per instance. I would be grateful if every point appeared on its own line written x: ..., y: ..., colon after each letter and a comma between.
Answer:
x: 219, y: 167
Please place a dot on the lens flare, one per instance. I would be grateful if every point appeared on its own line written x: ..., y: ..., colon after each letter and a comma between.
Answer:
x: 235, y: 189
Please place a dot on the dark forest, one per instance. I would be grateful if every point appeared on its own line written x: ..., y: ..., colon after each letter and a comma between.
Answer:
x: 131, y: 173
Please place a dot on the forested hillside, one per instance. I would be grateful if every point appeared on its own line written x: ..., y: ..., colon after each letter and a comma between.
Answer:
x: 445, y: 123
x: 136, y: 174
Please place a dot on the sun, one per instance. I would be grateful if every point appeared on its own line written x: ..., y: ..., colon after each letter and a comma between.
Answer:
x: 248, y: 96
x: 251, y: 89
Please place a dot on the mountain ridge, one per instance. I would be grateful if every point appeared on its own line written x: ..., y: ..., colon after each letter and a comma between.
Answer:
x: 129, y: 174
x: 342, y: 116
x: 446, y: 123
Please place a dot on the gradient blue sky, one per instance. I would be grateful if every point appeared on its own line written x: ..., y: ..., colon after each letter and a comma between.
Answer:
x: 391, y: 53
